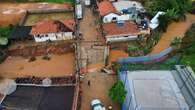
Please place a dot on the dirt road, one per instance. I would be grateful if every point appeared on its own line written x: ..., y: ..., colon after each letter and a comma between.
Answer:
x: 89, y: 26
x: 92, y: 46
x: 175, y: 29
x: 100, y: 85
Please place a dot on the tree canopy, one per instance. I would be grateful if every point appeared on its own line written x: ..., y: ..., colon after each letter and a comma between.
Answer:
x: 4, y: 34
x: 117, y: 92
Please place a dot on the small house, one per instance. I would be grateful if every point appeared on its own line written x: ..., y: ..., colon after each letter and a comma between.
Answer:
x: 120, y: 31
x: 53, y: 30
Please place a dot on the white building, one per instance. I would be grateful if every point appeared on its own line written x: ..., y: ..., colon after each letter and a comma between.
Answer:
x: 112, y: 17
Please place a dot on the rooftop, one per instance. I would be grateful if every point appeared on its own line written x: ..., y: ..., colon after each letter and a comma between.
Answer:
x: 155, y: 90
x: 20, y: 32
x: 128, y: 28
x: 121, y: 5
x: 39, y: 98
x: 105, y: 7
x: 53, y: 26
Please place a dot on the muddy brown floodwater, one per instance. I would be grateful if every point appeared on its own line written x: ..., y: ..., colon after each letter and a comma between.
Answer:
x: 176, y: 29
x: 116, y: 54
x: 11, y: 13
x: 57, y: 66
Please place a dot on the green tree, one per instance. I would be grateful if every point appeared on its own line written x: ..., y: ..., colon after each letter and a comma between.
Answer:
x: 4, y: 34
x: 117, y: 92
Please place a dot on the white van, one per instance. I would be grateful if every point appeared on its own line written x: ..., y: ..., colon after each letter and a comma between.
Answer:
x: 87, y: 2
x: 79, y: 13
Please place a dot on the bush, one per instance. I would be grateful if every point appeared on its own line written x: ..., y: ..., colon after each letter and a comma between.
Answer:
x: 117, y: 92
x: 188, y: 48
x: 32, y: 59
x: 176, y: 41
x: 2, y: 56
x: 46, y: 57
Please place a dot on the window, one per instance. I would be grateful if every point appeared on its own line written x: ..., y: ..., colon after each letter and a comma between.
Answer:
x: 114, y: 19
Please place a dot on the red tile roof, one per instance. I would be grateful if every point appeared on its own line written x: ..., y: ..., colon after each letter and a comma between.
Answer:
x: 105, y: 7
x: 128, y: 28
x: 53, y: 26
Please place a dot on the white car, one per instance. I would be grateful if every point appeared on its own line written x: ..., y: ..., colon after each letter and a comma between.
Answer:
x: 96, y: 104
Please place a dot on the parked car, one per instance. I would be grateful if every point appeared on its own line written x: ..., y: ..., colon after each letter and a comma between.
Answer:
x: 96, y: 104
x: 79, y: 11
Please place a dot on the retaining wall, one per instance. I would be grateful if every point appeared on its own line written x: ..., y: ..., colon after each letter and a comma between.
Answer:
x: 148, y: 58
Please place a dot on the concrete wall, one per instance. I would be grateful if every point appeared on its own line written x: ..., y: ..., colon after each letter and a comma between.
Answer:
x: 53, y: 36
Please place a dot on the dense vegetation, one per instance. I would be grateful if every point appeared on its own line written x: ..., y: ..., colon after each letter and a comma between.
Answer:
x: 4, y: 34
x: 117, y: 92
x: 188, y: 47
x: 175, y: 10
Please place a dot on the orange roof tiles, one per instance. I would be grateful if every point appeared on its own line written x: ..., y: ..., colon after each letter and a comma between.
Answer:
x: 128, y: 27
x: 105, y: 7
x: 53, y: 26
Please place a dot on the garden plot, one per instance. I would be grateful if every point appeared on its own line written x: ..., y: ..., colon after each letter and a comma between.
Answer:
x: 34, y: 18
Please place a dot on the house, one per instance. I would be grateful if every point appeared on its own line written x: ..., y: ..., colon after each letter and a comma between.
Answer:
x: 53, y: 30
x: 120, y: 31
x: 105, y: 7
x: 121, y: 11
x: 152, y: 90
